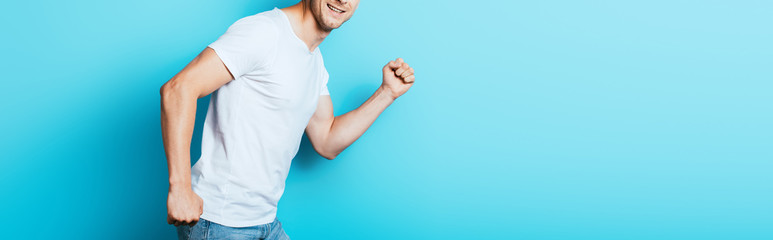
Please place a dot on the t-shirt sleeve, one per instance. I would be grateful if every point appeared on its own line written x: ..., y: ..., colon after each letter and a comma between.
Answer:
x: 323, y: 89
x: 247, y: 45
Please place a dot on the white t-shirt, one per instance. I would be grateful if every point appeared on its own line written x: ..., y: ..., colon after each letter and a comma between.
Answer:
x: 255, y: 122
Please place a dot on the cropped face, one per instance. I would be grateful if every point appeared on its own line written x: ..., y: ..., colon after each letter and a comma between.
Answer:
x: 330, y: 14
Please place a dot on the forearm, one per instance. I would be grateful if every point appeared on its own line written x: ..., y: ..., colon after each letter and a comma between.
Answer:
x: 178, y: 113
x: 349, y: 127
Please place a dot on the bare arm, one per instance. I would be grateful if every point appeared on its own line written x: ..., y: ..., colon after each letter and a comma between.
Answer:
x: 202, y: 76
x: 330, y: 135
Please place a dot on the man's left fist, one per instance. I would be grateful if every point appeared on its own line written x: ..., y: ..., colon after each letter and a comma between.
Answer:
x: 398, y: 77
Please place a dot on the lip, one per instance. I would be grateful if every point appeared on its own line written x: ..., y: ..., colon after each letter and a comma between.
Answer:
x: 335, y: 9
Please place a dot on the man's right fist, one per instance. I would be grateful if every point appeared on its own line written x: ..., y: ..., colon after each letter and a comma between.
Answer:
x: 183, y: 206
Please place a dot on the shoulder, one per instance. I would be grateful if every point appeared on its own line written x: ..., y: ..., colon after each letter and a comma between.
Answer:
x: 321, y: 63
x: 263, y: 24
x: 249, y: 43
x: 320, y: 59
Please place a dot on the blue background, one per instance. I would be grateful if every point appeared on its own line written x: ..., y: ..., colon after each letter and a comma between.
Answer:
x: 529, y: 120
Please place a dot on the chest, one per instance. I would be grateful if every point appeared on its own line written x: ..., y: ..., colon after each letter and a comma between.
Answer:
x: 291, y: 83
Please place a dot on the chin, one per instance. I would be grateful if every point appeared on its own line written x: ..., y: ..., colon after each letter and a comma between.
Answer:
x: 333, y: 25
x: 329, y: 24
x: 328, y: 18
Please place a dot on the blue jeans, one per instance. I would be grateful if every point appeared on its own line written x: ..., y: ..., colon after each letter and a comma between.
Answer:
x: 208, y: 230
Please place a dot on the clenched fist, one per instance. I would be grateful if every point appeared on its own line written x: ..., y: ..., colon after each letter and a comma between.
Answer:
x: 183, y: 206
x: 398, y: 77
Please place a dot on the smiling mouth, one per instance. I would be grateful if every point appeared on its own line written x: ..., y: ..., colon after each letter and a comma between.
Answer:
x: 335, y: 9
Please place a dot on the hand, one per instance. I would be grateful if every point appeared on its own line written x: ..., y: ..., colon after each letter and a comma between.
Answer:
x: 183, y: 206
x: 398, y: 77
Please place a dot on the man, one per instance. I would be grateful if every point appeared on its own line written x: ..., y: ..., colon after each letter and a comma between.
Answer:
x: 271, y: 85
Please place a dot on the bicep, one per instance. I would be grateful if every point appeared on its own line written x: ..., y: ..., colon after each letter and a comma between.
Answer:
x: 204, y: 74
x: 320, y: 123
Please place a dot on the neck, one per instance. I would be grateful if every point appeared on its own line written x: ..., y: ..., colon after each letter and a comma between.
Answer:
x: 305, y: 25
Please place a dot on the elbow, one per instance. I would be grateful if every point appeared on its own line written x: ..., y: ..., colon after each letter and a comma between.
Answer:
x: 174, y: 89
x: 168, y: 88
x: 329, y: 155
x: 162, y: 89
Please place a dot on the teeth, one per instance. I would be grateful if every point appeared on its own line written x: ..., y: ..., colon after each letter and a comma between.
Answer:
x: 335, y: 9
